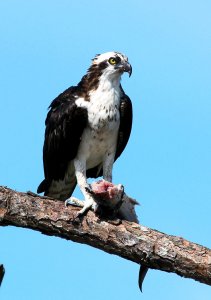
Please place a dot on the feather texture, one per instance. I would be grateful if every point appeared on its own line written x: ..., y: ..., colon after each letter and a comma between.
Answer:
x: 87, y: 122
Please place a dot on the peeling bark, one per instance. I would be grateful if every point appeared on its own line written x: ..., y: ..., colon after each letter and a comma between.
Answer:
x: 129, y: 240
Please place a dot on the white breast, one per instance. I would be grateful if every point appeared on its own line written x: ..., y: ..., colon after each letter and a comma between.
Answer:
x: 100, y: 137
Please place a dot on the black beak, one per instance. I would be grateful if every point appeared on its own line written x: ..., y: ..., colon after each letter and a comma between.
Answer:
x: 127, y: 68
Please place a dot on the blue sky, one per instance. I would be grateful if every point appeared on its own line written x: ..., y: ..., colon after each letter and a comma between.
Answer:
x: 46, y: 46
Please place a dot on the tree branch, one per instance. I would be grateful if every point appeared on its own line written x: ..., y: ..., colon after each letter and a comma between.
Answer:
x: 129, y: 240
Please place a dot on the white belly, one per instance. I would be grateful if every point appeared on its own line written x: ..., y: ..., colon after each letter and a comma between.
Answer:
x: 97, y: 144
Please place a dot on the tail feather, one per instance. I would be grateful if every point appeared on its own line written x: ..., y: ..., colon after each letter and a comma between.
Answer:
x: 43, y: 186
x: 60, y: 190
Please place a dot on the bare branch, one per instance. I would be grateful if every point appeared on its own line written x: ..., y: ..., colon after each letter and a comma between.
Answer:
x: 126, y: 239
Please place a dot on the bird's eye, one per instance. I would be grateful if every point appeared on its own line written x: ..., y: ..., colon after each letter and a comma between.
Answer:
x: 112, y: 61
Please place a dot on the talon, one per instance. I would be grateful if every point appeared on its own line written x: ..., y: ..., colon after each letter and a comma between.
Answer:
x: 80, y: 214
x: 74, y: 202
x: 83, y: 211
x: 68, y: 202
x: 76, y: 219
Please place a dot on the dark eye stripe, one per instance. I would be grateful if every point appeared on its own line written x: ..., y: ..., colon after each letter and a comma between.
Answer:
x: 118, y: 59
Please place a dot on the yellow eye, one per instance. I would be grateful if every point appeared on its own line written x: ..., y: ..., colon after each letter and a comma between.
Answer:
x: 112, y: 61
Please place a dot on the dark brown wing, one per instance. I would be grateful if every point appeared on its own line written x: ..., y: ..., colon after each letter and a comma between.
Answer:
x: 126, y: 118
x: 65, y: 124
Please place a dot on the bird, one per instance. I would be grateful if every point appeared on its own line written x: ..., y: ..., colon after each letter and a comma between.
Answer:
x: 86, y: 129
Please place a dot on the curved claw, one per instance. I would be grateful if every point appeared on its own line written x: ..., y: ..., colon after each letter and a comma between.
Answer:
x: 69, y: 202
x: 74, y: 202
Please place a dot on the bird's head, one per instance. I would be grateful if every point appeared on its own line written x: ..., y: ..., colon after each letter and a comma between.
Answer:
x: 106, y: 67
x: 112, y: 64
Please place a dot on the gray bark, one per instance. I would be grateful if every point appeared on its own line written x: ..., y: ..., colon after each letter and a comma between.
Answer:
x: 129, y: 240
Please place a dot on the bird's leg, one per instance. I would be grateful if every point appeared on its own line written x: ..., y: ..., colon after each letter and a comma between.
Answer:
x: 108, y: 166
x: 80, y: 172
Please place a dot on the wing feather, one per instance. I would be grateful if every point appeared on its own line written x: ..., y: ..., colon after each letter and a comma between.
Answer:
x: 126, y: 117
x: 65, y: 124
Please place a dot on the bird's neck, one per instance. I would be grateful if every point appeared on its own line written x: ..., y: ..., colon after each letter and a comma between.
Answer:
x: 99, y: 80
x: 111, y: 81
x: 107, y: 94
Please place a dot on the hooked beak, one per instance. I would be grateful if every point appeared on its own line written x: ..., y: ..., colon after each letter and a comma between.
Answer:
x: 127, y: 68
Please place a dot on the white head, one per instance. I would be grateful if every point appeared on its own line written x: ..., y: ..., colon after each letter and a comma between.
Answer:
x: 113, y: 63
x: 105, y: 68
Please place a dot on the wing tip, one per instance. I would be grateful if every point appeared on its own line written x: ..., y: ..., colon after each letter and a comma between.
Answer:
x: 42, y: 187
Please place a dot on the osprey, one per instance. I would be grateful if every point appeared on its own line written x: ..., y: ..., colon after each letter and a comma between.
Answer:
x: 87, y: 128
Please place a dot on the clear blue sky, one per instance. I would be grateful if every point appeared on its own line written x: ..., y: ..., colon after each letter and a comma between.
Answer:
x: 46, y: 46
